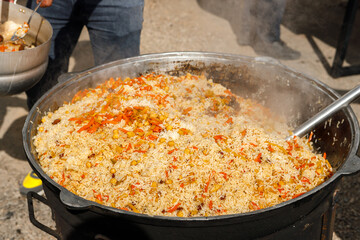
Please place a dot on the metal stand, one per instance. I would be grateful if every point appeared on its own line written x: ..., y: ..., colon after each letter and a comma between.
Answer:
x: 337, y: 69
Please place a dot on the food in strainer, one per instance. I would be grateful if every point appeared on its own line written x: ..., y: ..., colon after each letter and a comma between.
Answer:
x: 7, y: 29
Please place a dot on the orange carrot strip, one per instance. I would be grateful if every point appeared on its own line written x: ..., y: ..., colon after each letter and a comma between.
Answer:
x: 173, y: 150
x: 123, y: 130
x: 255, y: 206
x: 172, y: 209
x: 87, y: 125
x: 230, y: 120
x: 210, y: 205
x: 305, y: 180
x: 225, y: 175
x: 270, y: 148
x: 219, y: 137
x: 98, y: 197
x: 297, y: 195
x: 152, y: 137
x: 228, y: 92
x: 310, y: 136
x: 208, y: 182
x: 258, y: 158
x: 243, y: 133
x: 63, y: 179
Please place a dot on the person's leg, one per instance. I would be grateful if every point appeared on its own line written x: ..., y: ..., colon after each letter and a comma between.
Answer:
x: 269, y: 14
x: 267, y: 41
x: 114, y: 28
x: 246, y: 30
x: 66, y: 31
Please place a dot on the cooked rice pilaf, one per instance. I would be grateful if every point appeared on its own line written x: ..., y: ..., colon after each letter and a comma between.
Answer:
x: 175, y: 146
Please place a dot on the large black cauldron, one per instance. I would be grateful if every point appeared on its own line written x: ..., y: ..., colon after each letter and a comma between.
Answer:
x: 285, y: 91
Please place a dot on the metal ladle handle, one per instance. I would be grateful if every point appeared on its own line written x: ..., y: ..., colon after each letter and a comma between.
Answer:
x: 323, y: 115
x: 32, y: 14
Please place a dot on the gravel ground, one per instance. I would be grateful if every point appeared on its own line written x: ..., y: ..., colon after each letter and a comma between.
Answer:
x: 171, y: 25
x: 347, y: 213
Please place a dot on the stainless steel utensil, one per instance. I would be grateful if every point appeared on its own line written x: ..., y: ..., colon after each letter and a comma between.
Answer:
x: 326, y: 112
x: 24, y: 29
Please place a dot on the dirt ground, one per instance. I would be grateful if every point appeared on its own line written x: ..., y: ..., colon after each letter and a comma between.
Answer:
x: 311, y: 27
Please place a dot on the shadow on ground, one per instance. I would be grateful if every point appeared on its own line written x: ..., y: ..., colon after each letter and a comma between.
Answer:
x: 11, y: 142
x: 321, y: 19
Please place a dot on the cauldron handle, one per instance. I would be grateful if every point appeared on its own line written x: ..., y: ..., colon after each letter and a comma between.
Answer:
x: 33, y: 220
x: 66, y: 76
x: 351, y: 166
x: 72, y: 201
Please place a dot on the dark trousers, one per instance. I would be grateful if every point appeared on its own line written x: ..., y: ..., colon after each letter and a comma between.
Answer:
x: 114, y: 28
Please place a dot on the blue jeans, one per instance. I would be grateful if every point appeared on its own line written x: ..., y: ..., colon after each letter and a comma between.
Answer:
x: 114, y: 28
